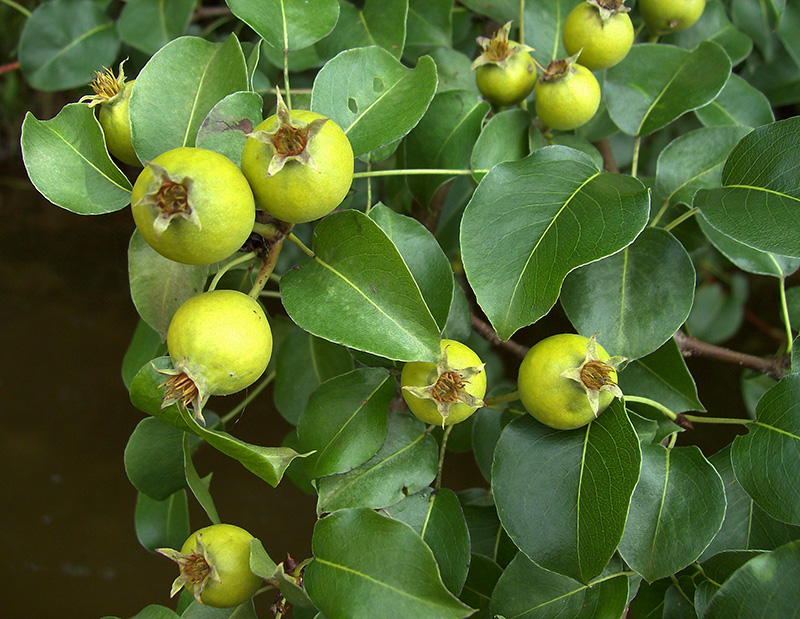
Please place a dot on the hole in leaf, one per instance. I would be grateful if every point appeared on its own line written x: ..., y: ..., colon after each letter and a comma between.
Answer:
x: 377, y: 84
x: 404, y: 490
x: 352, y: 105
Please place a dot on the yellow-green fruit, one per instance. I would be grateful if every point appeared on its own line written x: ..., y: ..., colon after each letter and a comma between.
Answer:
x: 221, y: 340
x: 555, y: 400
x: 227, y: 550
x: 115, y: 121
x: 219, y: 215
x: 604, y: 42
x: 419, y: 374
x: 665, y: 16
x: 509, y: 84
x: 569, y: 101
x: 299, y: 192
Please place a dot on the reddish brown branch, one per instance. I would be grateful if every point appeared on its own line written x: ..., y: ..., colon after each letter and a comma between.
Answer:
x: 772, y: 366
x: 487, y: 332
x: 208, y: 12
x: 8, y: 68
x: 609, y: 162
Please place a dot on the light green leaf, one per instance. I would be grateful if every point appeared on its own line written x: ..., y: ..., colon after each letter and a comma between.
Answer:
x: 225, y: 128
x: 718, y: 312
x: 430, y: 23
x: 544, y: 22
x: 737, y: 104
x: 67, y: 161
x: 148, y: 25
x: 379, y: 22
x: 146, y: 344
x: 288, y: 24
x: 201, y: 488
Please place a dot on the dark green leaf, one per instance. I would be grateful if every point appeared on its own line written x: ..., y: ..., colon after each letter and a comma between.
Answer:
x: 404, y: 465
x: 370, y: 566
x: 486, y: 534
x: 499, y: 10
x: 63, y: 41
x: 718, y: 313
x: 715, y: 572
x: 481, y: 580
x: 383, y: 100
x: 485, y: 431
x: 288, y: 24
x: 458, y: 326
x: 758, y: 20
x: 641, y: 100
x: 370, y: 302
x: 759, y: 202
x: 159, y: 286
x: 544, y: 22
x: 636, y: 299
x: 527, y: 590
x: 503, y: 138
x: 303, y: 362
x: 714, y: 25
x: 676, y: 510
x: 737, y: 104
x: 155, y: 612
x: 162, y: 524
x: 225, y: 128
x: 437, y: 518
x: 453, y: 70
x: 67, y: 161
x: 345, y: 420
x: 200, y: 487
x: 154, y: 459
x: 148, y: 25
x: 430, y: 23
x: 379, y: 22
x: 548, y: 216
x: 164, y: 116
x: 766, y: 460
x: 563, y: 495
x: 145, y: 345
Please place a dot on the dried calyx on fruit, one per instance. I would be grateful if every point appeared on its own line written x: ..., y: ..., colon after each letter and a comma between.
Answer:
x: 504, y: 71
x: 567, y: 94
x: 600, y: 31
x: 112, y: 93
x: 596, y: 375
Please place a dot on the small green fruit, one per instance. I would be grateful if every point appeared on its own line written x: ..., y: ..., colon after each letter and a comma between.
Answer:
x: 567, y: 95
x: 601, y: 31
x: 504, y: 72
x: 665, y: 16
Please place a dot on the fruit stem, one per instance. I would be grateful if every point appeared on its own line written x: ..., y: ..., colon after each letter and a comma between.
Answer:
x: 18, y: 7
x: 785, y: 312
x: 660, y: 213
x: 273, y: 294
x: 438, y: 483
x: 681, y: 218
x: 653, y: 403
x: 524, y: 103
x: 301, y: 245
x: 416, y: 171
x: 672, y: 440
x: 369, y: 186
x: 267, y: 266
x: 739, y: 421
x: 252, y: 395
x: 268, y: 231
x: 502, y: 399
x: 286, y: 78
x: 637, y: 143
x: 226, y: 267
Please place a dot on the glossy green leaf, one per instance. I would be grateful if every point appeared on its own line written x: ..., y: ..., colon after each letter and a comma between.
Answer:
x: 145, y: 345
x: 67, y: 161
x: 676, y: 510
x: 636, y: 299
x: 162, y: 524
x: 499, y: 10
x: 714, y: 25
x: 424, y: 257
x: 547, y: 216
x: 299, y: 60
x: 544, y: 22
x: 288, y: 24
x: 159, y: 286
x: 715, y: 572
x: 766, y: 460
x: 694, y: 161
x: 404, y: 465
x: 148, y: 25
x: 430, y: 23
x: 641, y: 100
x: 747, y: 258
x: 764, y: 587
x: 527, y: 590
x: 453, y: 70
x: 649, y: 600
x: 563, y: 495
x: 154, y: 459
x: 737, y: 104
x: 485, y: 431
x: 758, y: 19
x: 437, y: 518
x: 147, y: 395
x: 458, y: 326
x: 345, y: 420
x: 443, y: 139
x: 503, y: 138
x: 481, y: 580
x: 303, y: 362
x: 64, y: 41
x: 378, y: 22
x: 383, y: 99
x: 177, y: 89
x: 200, y: 487
x: 662, y: 376
x: 225, y: 128
x: 718, y: 312
x: 759, y: 202
x: 486, y: 534
x: 369, y: 566
x: 370, y: 302
x: 746, y: 525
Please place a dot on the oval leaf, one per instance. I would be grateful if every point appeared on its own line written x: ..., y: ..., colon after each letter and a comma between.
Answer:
x: 642, y: 101
x: 148, y: 25
x: 225, y: 128
x: 547, y: 216
x: 677, y: 508
x: 345, y: 420
x: 379, y: 22
x: 563, y: 495
x: 504, y: 138
x: 766, y: 460
x: 759, y: 202
x: 714, y: 25
x: 162, y: 524
x: 635, y: 299
x: 164, y: 117
x: 370, y: 300
x: 154, y: 459
x: 544, y: 22
x: 370, y: 566
x: 738, y: 104
x: 383, y: 100
x: 288, y: 24
x: 67, y: 161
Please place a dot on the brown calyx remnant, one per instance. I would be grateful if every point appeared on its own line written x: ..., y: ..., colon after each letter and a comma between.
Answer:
x: 196, y: 568
x: 168, y: 196
x: 498, y: 49
x: 596, y: 375
x: 608, y: 8
x: 559, y: 68
x: 179, y: 389
x: 448, y: 387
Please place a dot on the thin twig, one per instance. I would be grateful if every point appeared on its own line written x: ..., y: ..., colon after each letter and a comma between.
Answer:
x: 8, y: 68
x: 210, y: 12
x: 771, y: 366
x: 487, y: 332
x: 609, y: 162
